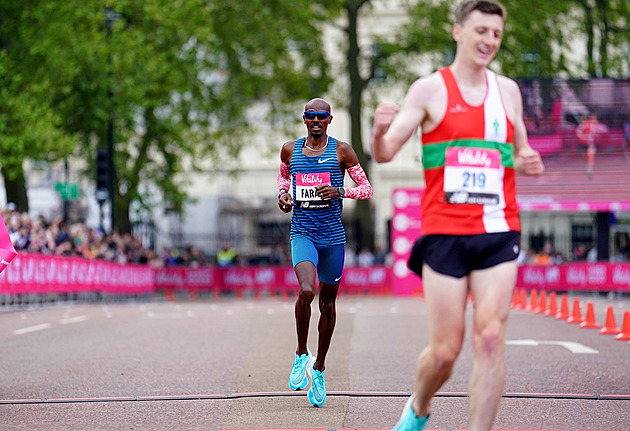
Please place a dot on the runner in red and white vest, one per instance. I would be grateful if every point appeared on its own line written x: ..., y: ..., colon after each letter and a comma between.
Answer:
x: 473, y: 142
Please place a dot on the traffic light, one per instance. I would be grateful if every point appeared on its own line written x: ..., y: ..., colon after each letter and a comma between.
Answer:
x: 102, y: 175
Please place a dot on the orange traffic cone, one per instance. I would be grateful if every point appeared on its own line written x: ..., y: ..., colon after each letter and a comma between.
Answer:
x: 576, y: 316
x: 611, y: 325
x: 563, y: 314
x: 169, y: 294
x: 523, y: 299
x: 589, y: 321
x: 553, y: 305
x: 533, y: 300
x: 625, y: 327
x: 516, y: 305
x: 542, y: 303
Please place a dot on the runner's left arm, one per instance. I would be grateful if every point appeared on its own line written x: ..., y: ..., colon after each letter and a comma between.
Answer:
x: 363, y: 190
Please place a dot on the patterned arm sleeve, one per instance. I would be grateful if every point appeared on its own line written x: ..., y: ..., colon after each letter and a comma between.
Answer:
x: 363, y: 190
x: 284, y: 178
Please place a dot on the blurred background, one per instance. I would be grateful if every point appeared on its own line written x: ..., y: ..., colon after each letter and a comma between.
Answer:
x: 149, y: 132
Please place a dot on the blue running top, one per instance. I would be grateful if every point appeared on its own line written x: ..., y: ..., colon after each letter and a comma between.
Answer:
x: 314, y: 218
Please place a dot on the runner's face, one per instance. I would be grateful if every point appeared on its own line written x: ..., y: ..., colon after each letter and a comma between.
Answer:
x: 317, y: 127
x: 479, y: 37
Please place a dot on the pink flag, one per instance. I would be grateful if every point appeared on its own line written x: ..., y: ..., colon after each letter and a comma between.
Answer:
x: 7, y: 251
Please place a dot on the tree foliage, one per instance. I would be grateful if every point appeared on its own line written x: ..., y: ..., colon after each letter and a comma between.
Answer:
x: 176, y: 78
x: 30, y: 127
x: 575, y: 38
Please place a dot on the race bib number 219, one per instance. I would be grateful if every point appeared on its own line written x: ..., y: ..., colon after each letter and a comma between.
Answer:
x: 472, y: 176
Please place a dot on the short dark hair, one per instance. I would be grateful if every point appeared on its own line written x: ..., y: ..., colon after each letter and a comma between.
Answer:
x: 485, y: 6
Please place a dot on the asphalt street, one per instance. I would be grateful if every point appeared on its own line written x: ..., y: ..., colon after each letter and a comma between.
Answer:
x: 223, y: 363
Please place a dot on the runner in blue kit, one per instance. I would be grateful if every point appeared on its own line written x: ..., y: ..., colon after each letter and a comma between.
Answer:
x: 310, y: 184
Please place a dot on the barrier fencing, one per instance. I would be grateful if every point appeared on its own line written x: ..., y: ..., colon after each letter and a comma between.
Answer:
x: 42, y: 277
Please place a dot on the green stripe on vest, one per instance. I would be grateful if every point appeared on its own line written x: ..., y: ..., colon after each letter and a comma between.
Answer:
x: 433, y: 154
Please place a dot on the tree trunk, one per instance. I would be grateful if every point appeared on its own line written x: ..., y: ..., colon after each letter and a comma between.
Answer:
x: 121, y: 214
x: 605, y: 33
x: 362, y: 213
x: 590, y: 41
x: 15, y: 188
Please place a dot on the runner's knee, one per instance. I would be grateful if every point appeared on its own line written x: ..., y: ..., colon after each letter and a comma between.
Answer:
x: 444, y: 357
x: 488, y: 339
x: 306, y: 295
x: 327, y: 307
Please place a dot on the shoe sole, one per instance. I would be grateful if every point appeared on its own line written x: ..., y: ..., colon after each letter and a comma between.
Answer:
x: 312, y: 401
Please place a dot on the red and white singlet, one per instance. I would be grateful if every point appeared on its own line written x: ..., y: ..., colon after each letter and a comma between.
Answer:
x: 469, y: 166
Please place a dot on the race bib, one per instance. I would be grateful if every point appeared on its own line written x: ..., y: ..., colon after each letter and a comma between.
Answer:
x: 472, y: 176
x: 305, y: 193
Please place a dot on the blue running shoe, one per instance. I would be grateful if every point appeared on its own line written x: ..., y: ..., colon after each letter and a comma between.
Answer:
x: 298, y: 378
x: 409, y: 421
x: 317, y: 392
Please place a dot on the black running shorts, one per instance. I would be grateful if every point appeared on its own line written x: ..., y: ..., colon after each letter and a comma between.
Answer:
x: 458, y: 255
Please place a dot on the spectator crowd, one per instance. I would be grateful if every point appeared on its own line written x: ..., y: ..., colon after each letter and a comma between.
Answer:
x: 56, y: 237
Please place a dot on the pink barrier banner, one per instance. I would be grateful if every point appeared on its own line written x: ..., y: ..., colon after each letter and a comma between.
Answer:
x: 376, y: 279
x: 601, y: 276
x: 232, y: 278
x: 256, y: 278
x: 41, y: 274
x: 184, y: 278
x: 238, y: 279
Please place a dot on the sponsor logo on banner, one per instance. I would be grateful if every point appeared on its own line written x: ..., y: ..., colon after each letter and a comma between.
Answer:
x: 597, y: 274
x: 621, y: 275
x: 534, y: 276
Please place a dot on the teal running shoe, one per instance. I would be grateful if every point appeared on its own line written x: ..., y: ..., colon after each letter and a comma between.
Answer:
x: 317, y: 391
x: 409, y: 421
x: 298, y: 378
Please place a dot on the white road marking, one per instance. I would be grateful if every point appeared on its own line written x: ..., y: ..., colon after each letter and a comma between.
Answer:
x: 34, y: 328
x: 152, y: 315
x: 73, y: 320
x: 571, y: 346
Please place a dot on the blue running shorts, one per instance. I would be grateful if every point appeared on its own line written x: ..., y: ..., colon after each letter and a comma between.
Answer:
x: 458, y: 255
x: 328, y: 259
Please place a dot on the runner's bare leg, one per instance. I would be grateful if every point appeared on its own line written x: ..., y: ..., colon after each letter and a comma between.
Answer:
x: 445, y: 297
x: 492, y: 291
x: 305, y: 272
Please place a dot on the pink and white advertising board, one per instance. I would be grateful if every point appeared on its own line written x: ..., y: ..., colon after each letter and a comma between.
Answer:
x: 405, y: 228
